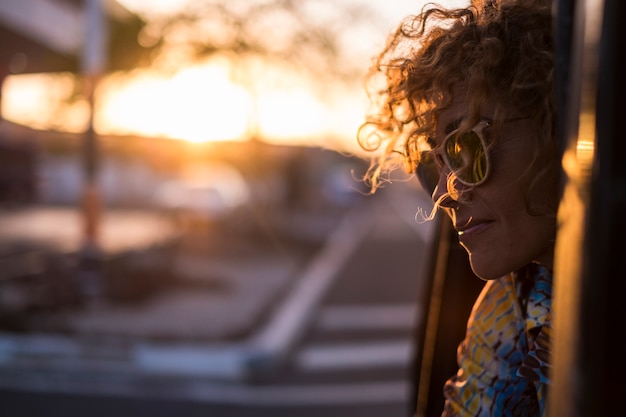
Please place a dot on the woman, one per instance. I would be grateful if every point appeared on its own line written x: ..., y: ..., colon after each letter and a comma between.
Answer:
x: 464, y: 97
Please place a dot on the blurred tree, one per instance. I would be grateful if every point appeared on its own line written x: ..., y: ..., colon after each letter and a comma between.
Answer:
x: 315, y: 36
x: 319, y: 43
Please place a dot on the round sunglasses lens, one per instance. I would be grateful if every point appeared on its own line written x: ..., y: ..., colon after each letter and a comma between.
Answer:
x: 427, y: 172
x: 467, y: 157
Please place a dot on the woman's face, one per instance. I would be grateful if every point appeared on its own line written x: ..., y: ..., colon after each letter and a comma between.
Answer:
x: 492, y: 218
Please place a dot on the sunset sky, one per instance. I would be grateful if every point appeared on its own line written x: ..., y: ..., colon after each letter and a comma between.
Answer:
x: 201, y: 102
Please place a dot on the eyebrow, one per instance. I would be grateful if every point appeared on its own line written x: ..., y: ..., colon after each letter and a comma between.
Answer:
x: 457, y: 122
x: 449, y: 128
x: 454, y: 124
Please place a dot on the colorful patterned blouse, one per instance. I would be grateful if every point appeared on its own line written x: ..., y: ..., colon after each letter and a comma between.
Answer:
x: 504, y: 359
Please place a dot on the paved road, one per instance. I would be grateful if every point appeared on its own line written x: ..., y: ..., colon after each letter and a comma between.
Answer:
x: 337, y: 343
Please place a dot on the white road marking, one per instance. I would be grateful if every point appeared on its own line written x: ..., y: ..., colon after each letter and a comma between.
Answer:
x: 291, y: 318
x: 362, y: 355
x: 384, y: 317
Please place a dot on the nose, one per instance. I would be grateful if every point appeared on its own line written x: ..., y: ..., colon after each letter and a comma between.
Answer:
x: 447, y: 191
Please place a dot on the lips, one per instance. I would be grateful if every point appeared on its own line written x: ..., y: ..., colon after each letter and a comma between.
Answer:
x: 472, y: 227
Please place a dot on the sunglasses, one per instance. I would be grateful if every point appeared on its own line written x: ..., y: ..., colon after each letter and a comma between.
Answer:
x: 464, y: 154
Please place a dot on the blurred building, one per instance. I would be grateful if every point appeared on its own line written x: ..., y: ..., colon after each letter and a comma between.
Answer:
x: 48, y: 36
x: 39, y: 36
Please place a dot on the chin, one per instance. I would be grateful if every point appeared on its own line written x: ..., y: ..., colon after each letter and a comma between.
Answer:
x: 486, y: 277
x: 487, y: 272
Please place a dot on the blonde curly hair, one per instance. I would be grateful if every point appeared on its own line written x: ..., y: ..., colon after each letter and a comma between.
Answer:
x: 496, y: 49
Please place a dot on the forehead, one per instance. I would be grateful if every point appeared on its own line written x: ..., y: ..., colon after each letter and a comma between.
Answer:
x: 459, y: 111
x: 451, y: 115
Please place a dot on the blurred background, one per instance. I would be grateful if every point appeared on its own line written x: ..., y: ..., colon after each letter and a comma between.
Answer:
x: 183, y: 225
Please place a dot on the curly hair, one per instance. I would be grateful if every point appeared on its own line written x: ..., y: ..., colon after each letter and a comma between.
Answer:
x: 496, y: 49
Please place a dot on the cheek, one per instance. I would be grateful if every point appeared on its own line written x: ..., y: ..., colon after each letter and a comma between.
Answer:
x: 524, y: 237
x: 516, y: 226
x: 544, y: 197
x: 506, y: 202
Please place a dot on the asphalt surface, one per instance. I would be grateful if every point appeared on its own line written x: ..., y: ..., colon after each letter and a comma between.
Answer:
x: 240, y: 314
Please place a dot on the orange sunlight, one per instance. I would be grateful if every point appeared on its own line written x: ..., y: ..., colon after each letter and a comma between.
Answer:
x: 216, y: 101
x: 34, y: 99
x: 197, y: 104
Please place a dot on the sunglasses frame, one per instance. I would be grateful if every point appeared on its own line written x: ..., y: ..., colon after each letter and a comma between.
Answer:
x: 428, y: 172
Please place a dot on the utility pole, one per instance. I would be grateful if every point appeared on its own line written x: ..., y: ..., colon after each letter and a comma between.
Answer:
x: 93, y: 62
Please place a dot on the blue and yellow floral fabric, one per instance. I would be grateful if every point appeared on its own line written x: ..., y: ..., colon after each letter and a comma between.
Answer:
x: 504, y: 358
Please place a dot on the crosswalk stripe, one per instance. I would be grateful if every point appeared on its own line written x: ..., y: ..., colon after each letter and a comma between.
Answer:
x: 382, y: 317
x: 290, y: 318
x: 362, y: 355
